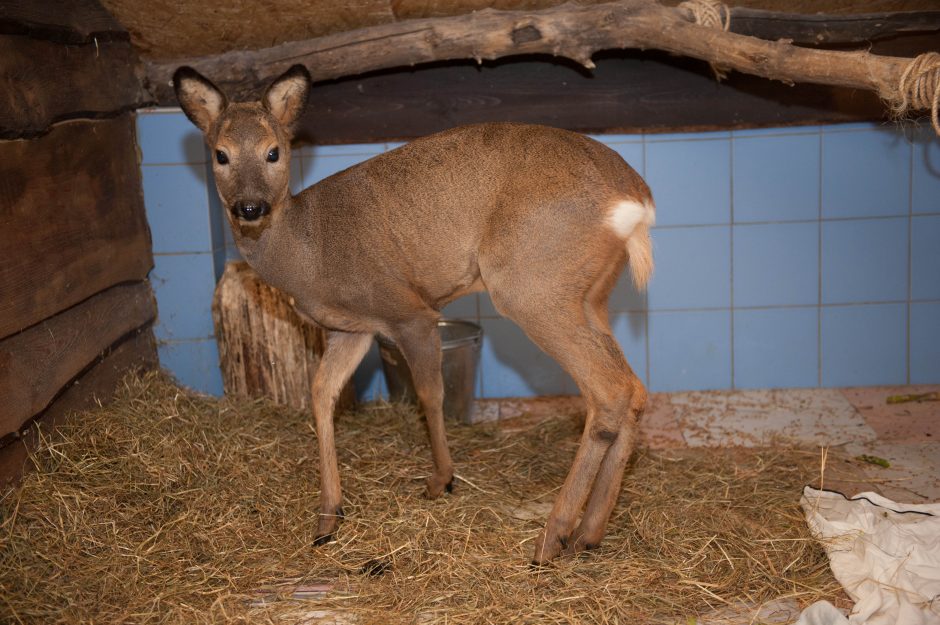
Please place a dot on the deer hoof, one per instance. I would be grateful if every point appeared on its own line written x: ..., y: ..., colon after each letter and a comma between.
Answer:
x: 319, y: 541
x: 437, y: 487
x: 547, y: 548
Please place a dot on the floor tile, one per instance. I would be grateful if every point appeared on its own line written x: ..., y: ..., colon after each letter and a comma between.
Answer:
x: 659, y: 427
x: 757, y: 418
x: 914, y: 474
x: 908, y: 422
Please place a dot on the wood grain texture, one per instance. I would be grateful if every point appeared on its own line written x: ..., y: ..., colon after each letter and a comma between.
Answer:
x: 628, y: 92
x: 97, y: 385
x: 265, y: 348
x: 37, y: 363
x: 43, y: 82
x: 821, y: 29
x: 166, y: 29
x: 72, y: 219
x: 571, y: 31
x: 74, y: 21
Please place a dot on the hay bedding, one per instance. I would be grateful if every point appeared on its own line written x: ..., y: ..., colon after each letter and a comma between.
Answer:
x: 167, y: 507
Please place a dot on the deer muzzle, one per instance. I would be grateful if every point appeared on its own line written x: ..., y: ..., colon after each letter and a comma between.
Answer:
x: 250, y: 210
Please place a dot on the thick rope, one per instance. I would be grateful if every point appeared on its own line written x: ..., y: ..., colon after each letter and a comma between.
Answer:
x: 919, y: 88
x: 710, y: 14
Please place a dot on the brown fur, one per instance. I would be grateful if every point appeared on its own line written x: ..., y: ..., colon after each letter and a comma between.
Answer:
x: 381, y: 247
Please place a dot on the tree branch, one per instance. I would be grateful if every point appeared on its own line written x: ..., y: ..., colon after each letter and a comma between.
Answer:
x: 571, y: 31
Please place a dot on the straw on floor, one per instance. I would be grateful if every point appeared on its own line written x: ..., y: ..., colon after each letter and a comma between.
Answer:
x: 169, y: 507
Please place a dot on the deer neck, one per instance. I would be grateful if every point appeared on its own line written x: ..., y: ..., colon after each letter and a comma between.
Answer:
x: 274, y: 250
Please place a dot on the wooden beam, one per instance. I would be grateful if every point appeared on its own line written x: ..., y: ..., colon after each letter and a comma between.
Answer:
x: 628, y: 92
x: 831, y: 30
x: 72, y: 22
x: 36, y: 364
x: 95, y: 386
x: 572, y: 31
x: 72, y: 221
x: 47, y: 82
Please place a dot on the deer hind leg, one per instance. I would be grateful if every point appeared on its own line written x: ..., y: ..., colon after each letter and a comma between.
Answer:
x: 420, y: 343
x: 606, y: 486
x: 344, y: 351
x: 593, y: 358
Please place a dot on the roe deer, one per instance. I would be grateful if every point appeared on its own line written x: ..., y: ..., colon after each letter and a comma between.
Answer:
x: 543, y: 219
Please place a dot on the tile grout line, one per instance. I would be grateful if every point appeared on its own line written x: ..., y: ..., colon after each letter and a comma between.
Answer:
x: 819, y: 266
x: 731, y: 251
x: 910, y: 260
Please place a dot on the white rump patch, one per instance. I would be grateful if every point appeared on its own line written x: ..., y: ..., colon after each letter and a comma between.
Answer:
x: 626, y: 215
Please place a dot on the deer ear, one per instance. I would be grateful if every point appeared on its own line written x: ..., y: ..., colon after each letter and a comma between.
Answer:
x: 287, y: 96
x: 200, y: 99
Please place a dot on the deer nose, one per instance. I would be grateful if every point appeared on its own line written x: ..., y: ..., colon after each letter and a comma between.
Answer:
x: 250, y: 211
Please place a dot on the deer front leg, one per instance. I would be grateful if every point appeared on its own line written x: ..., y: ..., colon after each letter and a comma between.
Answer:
x: 344, y: 351
x: 420, y: 344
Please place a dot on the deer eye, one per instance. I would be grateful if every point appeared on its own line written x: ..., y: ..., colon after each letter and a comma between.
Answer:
x: 273, y: 155
x: 221, y: 158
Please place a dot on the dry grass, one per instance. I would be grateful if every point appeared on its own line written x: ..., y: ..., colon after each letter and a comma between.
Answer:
x: 167, y: 507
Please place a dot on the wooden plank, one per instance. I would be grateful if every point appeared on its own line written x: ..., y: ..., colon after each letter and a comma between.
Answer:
x: 822, y: 29
x: 75, y: 21
x: 72, y: 219
x: 97, y: 385
x: 37, y: 363
x: 45, y: 82
x: 629, y: 91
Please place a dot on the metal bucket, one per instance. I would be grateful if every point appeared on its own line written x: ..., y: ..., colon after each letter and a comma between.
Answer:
x: 460, y: 347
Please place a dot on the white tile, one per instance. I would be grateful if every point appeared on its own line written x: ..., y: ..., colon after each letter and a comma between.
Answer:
x: 757, y: 418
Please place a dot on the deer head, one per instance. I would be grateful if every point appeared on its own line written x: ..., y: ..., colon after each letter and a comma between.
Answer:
x: 249, y: 141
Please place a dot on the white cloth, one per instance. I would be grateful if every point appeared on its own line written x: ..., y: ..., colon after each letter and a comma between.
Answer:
x: 886, y: 555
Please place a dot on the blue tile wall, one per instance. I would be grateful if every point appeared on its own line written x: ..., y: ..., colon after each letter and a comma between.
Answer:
x: 776, y: 264
x: 864, y: 345
x: 785, y: 257
x: 689, y: 350
x: 690, y: 178
x: 776, y: 347
x: 864, y: 260
x: 692, y: 268
x: 925, y: 342
x: 925, y: 179
x: 776, y: 176
x: 866, y: 172
x: 925, y: 257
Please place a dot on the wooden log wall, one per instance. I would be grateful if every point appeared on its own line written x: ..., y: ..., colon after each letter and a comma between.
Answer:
x: 76, y: 308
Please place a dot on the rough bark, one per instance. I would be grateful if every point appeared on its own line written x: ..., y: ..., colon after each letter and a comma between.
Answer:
x: 265, y: 348
x: 571, y: 31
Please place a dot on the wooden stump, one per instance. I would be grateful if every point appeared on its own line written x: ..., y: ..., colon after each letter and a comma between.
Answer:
x: 265, y: 348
